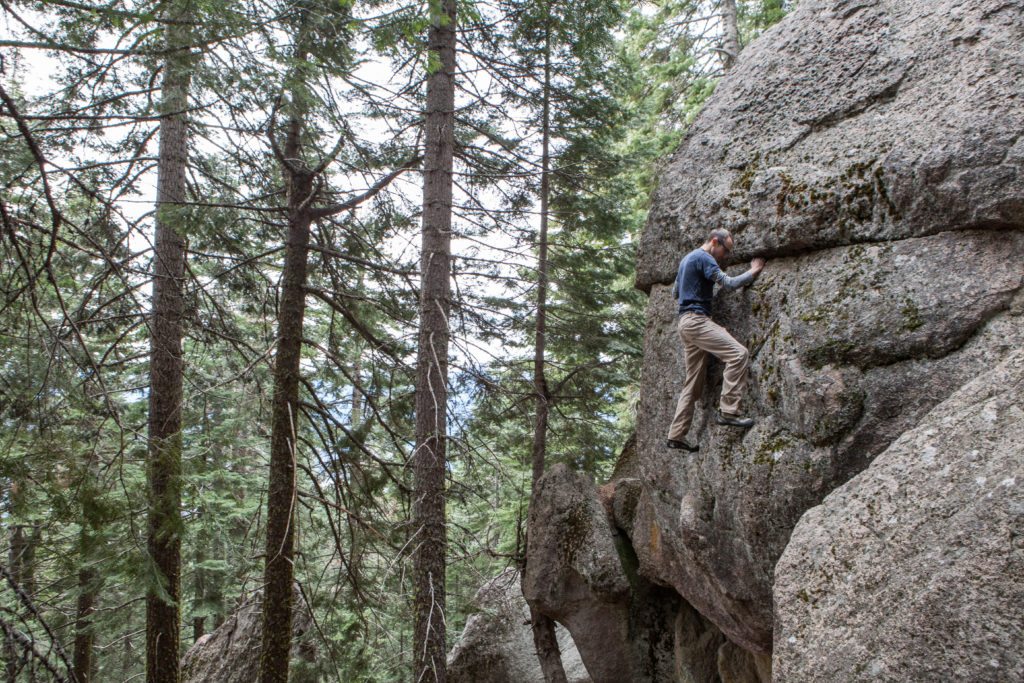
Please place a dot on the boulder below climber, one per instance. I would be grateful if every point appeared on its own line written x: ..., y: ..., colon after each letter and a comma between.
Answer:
x: 582, y: 572
x: 914, y: 569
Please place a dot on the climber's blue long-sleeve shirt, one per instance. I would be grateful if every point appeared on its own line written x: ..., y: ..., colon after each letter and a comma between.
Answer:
x: 696, y: 278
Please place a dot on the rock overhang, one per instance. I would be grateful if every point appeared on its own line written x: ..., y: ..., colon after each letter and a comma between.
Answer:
x: 873, y: 151
x: 888, y: 121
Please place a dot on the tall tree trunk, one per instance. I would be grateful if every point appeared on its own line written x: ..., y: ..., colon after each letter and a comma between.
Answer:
x: 165, y: 364
x: 22, y: 555
x: 88, y: 580
x: 544, y: 637
x: 730, y: 34
x: 199, y: 574
x: 356, y: 416
x: 199, y: 591
x: 278, y: 575
x: 429, y: 642
x: 128, y: 658
x: 21, y: 565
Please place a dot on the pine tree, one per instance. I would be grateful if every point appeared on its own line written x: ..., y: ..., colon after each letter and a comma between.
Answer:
x: 166, y: 369
x: 429, y: 458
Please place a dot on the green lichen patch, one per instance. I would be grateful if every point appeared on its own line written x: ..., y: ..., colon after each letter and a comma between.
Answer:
x: 912, y: 319
x: 884, y: 194
x: 789, y: 187
x: 861, y: 190
x: 746, y: 178
x: 830, y: 351
x: 578, y: 527
x: 768, y: 450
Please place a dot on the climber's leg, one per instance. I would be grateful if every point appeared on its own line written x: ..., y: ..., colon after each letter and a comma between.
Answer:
x: 713, y: 338
x: 696, y: 366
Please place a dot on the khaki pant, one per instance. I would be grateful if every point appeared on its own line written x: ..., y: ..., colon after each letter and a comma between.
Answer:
x: 700, y: 337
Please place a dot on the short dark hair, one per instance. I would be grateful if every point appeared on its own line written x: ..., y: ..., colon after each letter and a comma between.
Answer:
x: 720, y: 234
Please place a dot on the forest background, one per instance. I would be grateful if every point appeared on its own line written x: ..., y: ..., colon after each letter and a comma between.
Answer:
x: 197, y: 195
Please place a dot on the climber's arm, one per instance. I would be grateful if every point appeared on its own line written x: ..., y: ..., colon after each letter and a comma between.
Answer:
x: 756, y: 266
x: 735, y: 282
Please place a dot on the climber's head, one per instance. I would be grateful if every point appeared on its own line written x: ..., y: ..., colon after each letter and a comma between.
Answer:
x: 719, y: 244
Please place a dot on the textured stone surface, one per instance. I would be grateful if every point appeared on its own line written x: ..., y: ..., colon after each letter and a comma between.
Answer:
x: 736, y: 665
x: 496, y: 646
x: 574, y: 573
x: 582, y: 572
x: 231, y: 653
x: 852, y: 121
x: 712, y: 525
x: 873, y: 151
x: 697, y: 641
x: 914, y: 569
x: 627, y: 628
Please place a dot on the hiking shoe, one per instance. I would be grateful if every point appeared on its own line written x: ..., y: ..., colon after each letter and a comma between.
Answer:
x: 734, y: 420
x: 682, y: 445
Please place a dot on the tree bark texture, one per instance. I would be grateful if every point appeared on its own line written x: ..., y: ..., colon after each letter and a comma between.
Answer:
x: 165, y: 364
x: 540, y: 385
x: 21, y: 565
x: 730, y: 34
x: 544, y: 638
x: 90, y: 579
x: 84, y: 634
x: 22, y: 555
x: 199, y: 587
x: 429, y: 642
x: 278, y: 575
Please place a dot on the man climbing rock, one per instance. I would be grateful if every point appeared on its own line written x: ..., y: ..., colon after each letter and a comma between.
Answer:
x: 695, y: 281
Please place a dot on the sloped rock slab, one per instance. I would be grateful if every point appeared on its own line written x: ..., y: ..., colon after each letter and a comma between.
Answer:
x: 914, y: 569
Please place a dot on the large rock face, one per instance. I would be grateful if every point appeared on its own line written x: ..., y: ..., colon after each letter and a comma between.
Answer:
x: 873, y: 150
x: 497, y: 644
x: 853, y: 121
x: 914, y: 569
x: 836, y: 376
